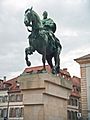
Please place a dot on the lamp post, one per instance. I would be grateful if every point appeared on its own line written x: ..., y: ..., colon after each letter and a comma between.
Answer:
x: 79, y: 116
x: 7, y: 114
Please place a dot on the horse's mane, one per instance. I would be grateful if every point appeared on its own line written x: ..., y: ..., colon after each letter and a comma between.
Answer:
x: 37, y: 16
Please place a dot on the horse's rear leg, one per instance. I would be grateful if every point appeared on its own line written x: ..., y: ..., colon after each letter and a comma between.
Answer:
x: 57, y: 63
x: 49, y: 60
x: 44, y: 59
x: 56, y: 68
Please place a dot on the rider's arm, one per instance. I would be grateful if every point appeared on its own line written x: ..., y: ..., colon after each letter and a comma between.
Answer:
x: 49, y: 22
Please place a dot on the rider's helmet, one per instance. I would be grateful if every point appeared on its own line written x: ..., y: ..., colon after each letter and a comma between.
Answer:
x: 45, y: 14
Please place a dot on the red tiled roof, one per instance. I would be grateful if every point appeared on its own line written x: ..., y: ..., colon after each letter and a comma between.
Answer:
x: 75, y: 94
x: 36, y: 68
x: 12, y: 84
x: 76, y: 80
x: 65, y: 72
x: 1, y: 84
x: 1, y: 80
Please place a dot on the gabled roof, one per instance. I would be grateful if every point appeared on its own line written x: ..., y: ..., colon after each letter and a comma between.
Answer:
x: 13, y: 83
x: 10, y: 85
x: 83, y: 59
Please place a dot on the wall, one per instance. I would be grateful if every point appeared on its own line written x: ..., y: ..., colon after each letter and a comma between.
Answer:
x: 88, y: 87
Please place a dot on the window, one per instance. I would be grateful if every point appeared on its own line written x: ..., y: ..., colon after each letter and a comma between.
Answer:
x: 16, y: 98
x: 19, y: 112
x: 72, y: 101
x: 22, y: 112
x: 16, y: 112
x: 1, y: 98
x: 4, y: 112
x: 68, y: 115
x: 12, y: 112
x: 1, y: 113
x: 75, y: 102
x: 12, y: 98
x: 19, y: 97
x: 74, y: 88
x: 72, y: 113
x: 5, y: 98
x: 76, y: 116
x: 78, y: 89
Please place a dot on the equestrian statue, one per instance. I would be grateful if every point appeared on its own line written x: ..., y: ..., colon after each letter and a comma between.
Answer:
x: 42, y: 39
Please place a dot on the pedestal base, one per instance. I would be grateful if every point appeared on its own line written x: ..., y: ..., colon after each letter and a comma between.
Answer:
x: 44, y: 96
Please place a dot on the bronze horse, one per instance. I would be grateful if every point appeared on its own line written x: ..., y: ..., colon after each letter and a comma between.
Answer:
x: 40, y: 41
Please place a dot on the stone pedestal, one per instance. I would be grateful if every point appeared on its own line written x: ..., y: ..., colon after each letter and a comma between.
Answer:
x: 44, y: 96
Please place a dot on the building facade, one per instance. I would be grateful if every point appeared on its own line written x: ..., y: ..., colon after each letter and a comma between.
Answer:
x: 74, y: 102
x: 13, y: 102
x: 85, y: 85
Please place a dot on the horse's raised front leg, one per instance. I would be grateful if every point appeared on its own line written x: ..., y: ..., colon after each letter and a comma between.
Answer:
x: 28, y: 51
x: 26, y: 56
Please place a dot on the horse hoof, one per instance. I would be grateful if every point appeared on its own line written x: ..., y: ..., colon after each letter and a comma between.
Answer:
x: 53, y: 72
x: 28, y: 63
x: 44, y: 71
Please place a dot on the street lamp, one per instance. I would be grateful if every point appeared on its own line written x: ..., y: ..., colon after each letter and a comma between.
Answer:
x: 79, y: 116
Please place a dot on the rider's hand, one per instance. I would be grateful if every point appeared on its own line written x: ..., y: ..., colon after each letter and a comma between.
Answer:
x: 28, y: 30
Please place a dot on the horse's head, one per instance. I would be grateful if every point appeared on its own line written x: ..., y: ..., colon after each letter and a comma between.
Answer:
x: 32, y: 16
x: 28, y: 17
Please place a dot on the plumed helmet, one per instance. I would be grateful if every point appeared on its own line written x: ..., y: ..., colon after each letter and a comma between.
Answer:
x: 45, y: 13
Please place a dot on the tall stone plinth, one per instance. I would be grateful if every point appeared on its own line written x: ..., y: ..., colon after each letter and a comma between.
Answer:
x: 44, y: 96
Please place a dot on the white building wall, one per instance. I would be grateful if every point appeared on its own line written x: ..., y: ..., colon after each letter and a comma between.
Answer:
x: 3, y: 92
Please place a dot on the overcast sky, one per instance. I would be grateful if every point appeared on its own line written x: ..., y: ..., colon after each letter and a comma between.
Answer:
x: 73, y: 29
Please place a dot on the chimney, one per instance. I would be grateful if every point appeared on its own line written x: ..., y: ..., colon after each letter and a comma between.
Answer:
x: 65, y: 69
x: 4, y: 78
